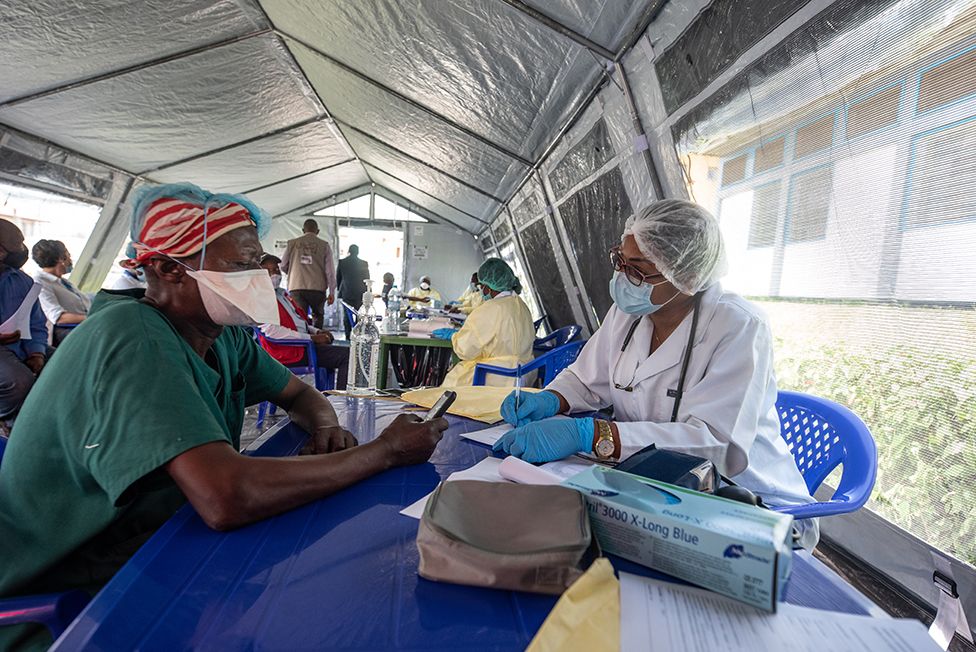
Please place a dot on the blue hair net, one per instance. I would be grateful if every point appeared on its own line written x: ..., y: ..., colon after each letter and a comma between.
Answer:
x: 144, y: 197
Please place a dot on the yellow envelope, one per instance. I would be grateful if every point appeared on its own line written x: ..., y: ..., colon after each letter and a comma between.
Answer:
x: 479, y: 403
x: 587, y: 616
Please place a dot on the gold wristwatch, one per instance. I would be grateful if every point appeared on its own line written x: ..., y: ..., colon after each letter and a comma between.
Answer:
x: 604, y: 446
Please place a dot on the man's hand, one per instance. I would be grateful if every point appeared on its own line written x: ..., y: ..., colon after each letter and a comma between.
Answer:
x: 35, y: 362
x: 411, y: 439
x: 324, y: 337
x: 331, y: 299
x: 329, y: 439
x: 10, y: 338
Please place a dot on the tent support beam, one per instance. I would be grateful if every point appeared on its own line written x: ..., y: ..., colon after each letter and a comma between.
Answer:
x: 224, y: 148
x: 417, y: 105
x: 424, y: 192
x: 134, y: 68
x: 639, y: 128
x: 559, y: 28
x: 651, y: 11
x: 422, y: 162
x: 298, y: 176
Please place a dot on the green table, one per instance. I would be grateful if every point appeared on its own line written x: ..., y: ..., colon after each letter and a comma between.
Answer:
x: 387, y: 341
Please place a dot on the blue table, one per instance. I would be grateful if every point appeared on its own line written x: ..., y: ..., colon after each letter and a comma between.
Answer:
x: 338, y: 574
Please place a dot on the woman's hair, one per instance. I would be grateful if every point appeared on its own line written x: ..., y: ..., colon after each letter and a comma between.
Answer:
x: 47, y: 253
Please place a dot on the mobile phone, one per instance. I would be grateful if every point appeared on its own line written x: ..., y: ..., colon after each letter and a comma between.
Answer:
x: 439, y: 408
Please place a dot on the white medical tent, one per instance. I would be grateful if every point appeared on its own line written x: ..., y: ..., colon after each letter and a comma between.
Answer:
x: 832, y: 138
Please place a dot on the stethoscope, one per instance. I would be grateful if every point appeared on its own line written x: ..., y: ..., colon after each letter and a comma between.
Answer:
x: 686, y: 358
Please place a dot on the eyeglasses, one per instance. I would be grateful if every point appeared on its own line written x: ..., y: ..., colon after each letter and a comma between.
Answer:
x: 634, y: 275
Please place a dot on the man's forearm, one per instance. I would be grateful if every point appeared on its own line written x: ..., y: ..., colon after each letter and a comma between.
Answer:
x: 311, y: 411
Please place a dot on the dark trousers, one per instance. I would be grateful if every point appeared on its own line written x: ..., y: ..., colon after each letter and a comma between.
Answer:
x: 336, y: 358
x: 15, y: 382
x: 311, y: 299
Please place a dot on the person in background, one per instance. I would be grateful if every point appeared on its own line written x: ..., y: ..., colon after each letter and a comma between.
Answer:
x: 669, y: 314
x: 351, y: 274
x: 387, y: 286
x: 22, y: 355
x: 64, y: 305
x: 470, y: 299
x: 307, y: 260
x: 158, y: 385
x: 131, y: 279
x: 497, y: 332
x: 423, y: 294
x: 294, y: 326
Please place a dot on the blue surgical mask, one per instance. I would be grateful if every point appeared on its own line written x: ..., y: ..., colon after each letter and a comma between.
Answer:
x: 635, y: 300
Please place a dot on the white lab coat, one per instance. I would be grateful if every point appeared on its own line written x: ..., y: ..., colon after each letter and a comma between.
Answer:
x: 727, y: 413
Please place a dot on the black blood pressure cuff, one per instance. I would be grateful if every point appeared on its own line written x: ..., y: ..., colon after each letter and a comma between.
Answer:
x: 688, y: 471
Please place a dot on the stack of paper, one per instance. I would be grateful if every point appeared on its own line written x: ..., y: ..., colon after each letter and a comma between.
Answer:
x: 657, y: 615
x: 424, y: 327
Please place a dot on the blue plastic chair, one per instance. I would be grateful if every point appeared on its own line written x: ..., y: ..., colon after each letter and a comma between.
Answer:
x: 54, y: 610
x: 550, y: 363
x: 821, y: 435
x: 537, y: 323
x: 557, y: 338
x: 352, y: 315
x: 324, y: 379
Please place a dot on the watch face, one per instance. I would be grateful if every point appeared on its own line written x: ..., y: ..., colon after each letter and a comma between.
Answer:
x: 604, y: 448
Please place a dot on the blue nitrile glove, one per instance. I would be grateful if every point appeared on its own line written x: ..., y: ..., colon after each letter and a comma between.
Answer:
x: 444, y: 333
x: 546, y: 441
x: 532, y: 407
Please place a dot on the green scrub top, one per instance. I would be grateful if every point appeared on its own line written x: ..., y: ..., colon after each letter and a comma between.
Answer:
x: 82, y: 483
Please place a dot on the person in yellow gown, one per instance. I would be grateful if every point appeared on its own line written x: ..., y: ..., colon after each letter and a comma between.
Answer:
x: 498, y: 332
x: 470, y: 299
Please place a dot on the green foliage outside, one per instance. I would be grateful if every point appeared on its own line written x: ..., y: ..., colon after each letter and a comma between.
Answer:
x: 920, y: 405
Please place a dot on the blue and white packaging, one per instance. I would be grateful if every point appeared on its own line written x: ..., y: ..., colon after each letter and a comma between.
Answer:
x: 731, y: 548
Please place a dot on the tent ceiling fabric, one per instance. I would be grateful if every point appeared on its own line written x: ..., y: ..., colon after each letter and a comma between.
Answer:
x: 297, y: 151
x: 444, y: 101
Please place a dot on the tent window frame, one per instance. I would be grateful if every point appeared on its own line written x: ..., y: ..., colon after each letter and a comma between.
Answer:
x: 744, y: 156
x: 797, y: 156
x: 919, y: 111
x: 789, y: 236
x: 766, y: 147
x: 867, y: 98
x: 767, y: 225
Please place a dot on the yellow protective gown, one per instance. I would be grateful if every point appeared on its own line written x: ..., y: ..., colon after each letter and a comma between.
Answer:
x: 497, y: 332
x: 431, y: 294
x: 471, y: 299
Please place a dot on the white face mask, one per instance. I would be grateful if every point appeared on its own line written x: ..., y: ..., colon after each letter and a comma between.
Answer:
x: 237, y: 298
x: 425, y: 286
x: 276, y: 280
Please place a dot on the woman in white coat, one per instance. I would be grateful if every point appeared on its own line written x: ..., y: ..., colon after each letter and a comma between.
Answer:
x: 666, y: 295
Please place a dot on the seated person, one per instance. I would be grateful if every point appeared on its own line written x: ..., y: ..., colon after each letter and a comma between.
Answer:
x: 294, y: 326
x: 666, y: 271
x: 158, y: 384
x: 497, y: 332
x: 423, y: 294
x: 470, y: 299
x: 63, y: 304
x: 131, y: 279
x: 387, y: 286
x: 22, y: 355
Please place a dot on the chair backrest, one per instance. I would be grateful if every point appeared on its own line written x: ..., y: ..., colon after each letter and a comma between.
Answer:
x: 537, y: 323
x: 559, y: 337
x: 558, y: 359
x: 822, y: 434
x: 351, y: 313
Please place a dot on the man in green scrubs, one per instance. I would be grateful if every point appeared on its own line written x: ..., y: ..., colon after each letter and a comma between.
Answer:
x: 142, y: 408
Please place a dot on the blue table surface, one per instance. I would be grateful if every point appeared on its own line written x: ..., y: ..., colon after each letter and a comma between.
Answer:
x: 339, y: 573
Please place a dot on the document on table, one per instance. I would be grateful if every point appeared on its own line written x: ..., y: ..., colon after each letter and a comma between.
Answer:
x: 20, y: 320
x: 656, y: 615
x: 489, y: 436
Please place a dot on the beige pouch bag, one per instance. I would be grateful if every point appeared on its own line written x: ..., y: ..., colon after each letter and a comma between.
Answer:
x: 506, y: 536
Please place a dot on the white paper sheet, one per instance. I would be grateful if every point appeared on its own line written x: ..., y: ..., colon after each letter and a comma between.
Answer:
x: 489, y: 436
x: 661, y: 616
x: 20, y: 320
x: 486, y: 469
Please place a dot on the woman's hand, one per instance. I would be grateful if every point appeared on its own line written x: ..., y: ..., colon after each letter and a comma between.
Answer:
x: 546, y: 441
x: 532, y: 406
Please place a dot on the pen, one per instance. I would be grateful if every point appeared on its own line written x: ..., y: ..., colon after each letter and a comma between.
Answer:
x: 518, y: 387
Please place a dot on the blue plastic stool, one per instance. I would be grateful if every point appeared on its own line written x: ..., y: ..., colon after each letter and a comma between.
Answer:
x: 821, y: 435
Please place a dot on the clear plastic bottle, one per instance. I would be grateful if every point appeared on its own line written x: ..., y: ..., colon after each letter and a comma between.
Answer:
x: 364, y: 349
x: 392, y: 324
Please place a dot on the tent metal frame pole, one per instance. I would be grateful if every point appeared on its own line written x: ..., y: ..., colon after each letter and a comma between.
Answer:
x: 410, y: 185
x: 134, y: 68
x: 298, y: 176
x: 422, y: 162
x: 639, y: 128
x: 417, y: 105
x: 559, y: 28
x: 224, y: 148
x: 651, y: 11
